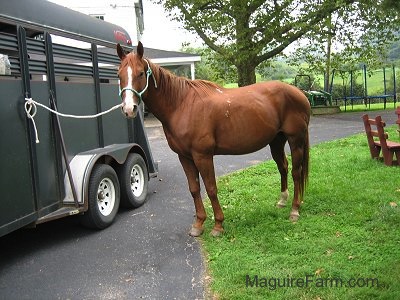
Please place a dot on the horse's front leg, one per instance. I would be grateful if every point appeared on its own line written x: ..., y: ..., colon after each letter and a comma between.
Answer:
x: 205, y: 165
x: 192, y: 175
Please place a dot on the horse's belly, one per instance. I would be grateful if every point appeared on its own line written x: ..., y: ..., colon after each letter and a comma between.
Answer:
x: 234, y: 144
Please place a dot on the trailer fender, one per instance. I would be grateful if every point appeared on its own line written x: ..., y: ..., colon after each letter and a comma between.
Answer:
x: 82, y: 164
x: 79, y: 169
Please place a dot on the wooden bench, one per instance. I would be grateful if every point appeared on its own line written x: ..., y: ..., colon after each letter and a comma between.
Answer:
x: 388, y: 148
x: 397, y: 111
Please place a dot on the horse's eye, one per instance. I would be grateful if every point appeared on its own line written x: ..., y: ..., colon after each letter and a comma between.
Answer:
x: 141, y: 74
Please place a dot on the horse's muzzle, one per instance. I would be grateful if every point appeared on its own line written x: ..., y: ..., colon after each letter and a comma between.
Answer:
x: 129, y: 111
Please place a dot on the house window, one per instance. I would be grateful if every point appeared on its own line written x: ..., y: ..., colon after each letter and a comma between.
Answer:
x: 100, y: 17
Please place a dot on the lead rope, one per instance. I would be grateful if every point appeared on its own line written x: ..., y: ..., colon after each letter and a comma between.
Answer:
x: 30, y: 109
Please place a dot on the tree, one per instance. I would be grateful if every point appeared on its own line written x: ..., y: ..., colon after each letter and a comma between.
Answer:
x: 247, y: 33
x: 276, y: 70
x: 392, y: 4
x: 369, y: 46
x: 212, y: 67
x: 362, y: 35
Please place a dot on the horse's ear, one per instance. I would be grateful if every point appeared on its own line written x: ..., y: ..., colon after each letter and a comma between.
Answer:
x: 121, y: 52
x: 140, y: 49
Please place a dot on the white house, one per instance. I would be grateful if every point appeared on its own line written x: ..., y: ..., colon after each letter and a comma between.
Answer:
x: 129, y: 15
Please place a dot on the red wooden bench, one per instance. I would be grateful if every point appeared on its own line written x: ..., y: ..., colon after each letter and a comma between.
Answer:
x: 397, y: 111
x: 388, y: 148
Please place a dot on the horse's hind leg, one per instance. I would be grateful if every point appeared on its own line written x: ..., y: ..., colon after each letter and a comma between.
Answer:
x: 278, y: 154
x: 192, y: 175
x: 299, y: 150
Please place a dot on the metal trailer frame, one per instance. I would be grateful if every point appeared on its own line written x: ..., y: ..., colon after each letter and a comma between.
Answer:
x: 367, y: 98
x: 50, y: 180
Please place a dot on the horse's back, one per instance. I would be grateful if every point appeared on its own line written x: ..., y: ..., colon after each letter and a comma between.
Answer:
x: 285, y: 94
x: 248, y: 118
x: 270, y: 91
x: 276, y: 97
x: 290, y: 103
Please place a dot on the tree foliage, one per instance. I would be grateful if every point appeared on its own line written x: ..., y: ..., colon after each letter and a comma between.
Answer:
x: 276, y: 70
x: 361, y: 35
x: 212, y: 66
x: 391, y: 5
x: 248, y: 33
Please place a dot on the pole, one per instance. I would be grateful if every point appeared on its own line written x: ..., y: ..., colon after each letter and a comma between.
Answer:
x: 366, y: 88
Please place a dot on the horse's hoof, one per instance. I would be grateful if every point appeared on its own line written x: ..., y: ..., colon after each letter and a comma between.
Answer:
x: 294, y: 217
x: 216, y: 232
x: 283, y: 199
x: 280, y: 205
x: 195, y: 232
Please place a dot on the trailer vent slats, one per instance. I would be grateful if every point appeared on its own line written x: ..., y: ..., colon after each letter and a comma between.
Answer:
x: 71, y: 52
x: 69, y: 69
x: 8, y: 42
x: 35, y: 46
x: 37, y: 66
x: 108, y: 73
x: 108, y: 58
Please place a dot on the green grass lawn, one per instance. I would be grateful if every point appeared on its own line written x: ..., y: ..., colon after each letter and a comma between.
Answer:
x: 375, y: 81
x: 372, y: 107
x: 346, y: 244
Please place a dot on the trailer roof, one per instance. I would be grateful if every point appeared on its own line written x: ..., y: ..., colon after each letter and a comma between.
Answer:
x: 42, y: 15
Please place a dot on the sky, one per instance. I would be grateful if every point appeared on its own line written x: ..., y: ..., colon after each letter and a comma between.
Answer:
x: 162, y: 33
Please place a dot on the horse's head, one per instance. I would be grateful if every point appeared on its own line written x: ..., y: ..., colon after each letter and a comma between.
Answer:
x: 133, y: 73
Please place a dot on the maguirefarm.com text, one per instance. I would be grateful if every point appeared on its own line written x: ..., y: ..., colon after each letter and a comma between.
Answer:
x: 273, y: 283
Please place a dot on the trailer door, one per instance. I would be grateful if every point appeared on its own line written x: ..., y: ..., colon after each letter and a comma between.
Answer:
x: 17, y: 203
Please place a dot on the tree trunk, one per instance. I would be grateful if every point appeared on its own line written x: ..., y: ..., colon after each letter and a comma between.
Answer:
x: 246, y: 73
x: 328, y: 64
x: 328, y: 55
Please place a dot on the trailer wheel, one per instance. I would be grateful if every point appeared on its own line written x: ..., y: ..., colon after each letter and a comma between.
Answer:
x: 134, y: 181
x: 103, y: 197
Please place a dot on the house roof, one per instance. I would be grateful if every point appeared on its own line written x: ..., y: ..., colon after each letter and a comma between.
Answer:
x: 169, y: 57
x: 163, y: 57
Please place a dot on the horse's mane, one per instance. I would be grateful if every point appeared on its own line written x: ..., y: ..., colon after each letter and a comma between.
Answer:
x: 176, y: 87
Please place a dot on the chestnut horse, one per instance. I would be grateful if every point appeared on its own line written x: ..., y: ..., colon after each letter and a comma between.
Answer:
x: 201, y: 119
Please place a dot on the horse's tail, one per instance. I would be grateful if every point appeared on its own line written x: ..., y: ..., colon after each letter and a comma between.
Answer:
x: 305, y: 164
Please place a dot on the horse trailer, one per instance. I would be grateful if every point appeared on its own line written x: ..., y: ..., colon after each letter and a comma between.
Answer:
x: 61, y: 154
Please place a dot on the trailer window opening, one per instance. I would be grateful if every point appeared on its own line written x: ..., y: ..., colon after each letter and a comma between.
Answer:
x: 72, y: 58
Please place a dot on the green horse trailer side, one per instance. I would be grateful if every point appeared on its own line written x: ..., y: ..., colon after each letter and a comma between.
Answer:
x: 80, y: 166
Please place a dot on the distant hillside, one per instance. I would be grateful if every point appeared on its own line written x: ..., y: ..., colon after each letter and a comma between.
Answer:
x: 394, y: 51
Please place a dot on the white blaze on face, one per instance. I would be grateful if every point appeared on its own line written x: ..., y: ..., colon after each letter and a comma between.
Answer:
x: 128, y: 103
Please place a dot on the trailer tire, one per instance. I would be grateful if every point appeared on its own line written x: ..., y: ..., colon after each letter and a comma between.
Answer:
x: 133, y: 177
x: 103, y: 197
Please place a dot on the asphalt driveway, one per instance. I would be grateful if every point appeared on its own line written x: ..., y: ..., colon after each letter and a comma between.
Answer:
x: 147, y: 253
